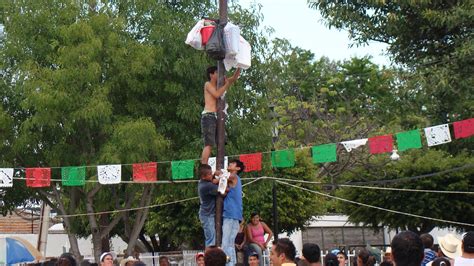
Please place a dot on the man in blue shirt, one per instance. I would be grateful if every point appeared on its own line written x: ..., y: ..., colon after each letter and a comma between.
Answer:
x: 233, y: 210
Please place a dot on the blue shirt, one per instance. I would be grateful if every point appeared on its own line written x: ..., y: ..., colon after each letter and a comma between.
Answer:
x: 233, y: 208
x: 429, y: 256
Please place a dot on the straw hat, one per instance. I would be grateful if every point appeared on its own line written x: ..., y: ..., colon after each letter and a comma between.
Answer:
x: 128, y: 259
x: 450, y: 245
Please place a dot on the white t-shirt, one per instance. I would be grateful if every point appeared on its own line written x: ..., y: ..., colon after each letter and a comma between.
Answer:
x: 460, y: 261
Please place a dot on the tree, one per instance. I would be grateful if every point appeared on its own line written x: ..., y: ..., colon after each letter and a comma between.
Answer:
x: 432, y: 38
x: 66, y: 69
x: 90, y: 83
x: 408, y: 174
x: 432, y: 41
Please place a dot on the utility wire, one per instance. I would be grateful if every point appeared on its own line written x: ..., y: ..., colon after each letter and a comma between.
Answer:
x: 375, y: 207
x: 144, y: 207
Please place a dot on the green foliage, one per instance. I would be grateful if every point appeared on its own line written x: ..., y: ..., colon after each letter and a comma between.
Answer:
x: 451, y: 207
x: 433, y: 38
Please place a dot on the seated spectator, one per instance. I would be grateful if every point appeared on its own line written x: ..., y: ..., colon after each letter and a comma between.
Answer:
x: 215, y: 256
x: 364, y: 258
x: 430, y: 255
x: 256, y: 231
x: 241, y: 242
x: 407, y: 249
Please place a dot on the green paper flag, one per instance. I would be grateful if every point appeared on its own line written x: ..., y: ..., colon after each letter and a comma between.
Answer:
x: 283, y: 158
x: 324, y: 153
x: 73, y: 175
x: 408, y: 140
x: 182, y: 169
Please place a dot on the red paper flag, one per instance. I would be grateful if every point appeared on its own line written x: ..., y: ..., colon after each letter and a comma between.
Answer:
x: 38, y: 177
x: 464, y: 128
x: 144, y: 172
x: 381, y: 144
x: 252, y: 162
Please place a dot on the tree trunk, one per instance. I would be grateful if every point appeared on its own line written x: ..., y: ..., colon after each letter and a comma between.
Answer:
x: 140, y: 219
x: 67, y: 227
x: 95, y: 230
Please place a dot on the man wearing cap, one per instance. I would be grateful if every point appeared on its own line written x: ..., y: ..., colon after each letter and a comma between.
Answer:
x: 467, y: 257
x: 200, y: 259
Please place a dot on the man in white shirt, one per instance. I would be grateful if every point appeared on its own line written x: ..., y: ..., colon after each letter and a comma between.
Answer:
x: 467, y: 257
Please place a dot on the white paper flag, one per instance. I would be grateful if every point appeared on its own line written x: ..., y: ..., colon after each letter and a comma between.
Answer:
x: 109, y: 174
x: 353, y: 144
x: 6, y: 177
x: 212, y: 162
x: 437, y: 135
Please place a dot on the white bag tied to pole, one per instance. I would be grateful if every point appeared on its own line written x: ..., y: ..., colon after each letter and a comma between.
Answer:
x: 244, y: 56
x: 231, y: 39
x: 194, y: 36
x: 242, y: 59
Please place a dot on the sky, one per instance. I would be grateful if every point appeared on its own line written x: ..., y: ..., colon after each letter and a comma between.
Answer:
x: 303, y: 27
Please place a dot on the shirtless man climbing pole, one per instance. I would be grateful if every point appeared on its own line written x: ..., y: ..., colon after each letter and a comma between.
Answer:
x: 209, y: 115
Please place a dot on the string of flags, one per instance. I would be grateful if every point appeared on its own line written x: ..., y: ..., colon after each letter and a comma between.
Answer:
x: 184, y: 169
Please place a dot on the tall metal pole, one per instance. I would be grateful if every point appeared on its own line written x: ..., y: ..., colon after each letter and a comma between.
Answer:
x: 274, y: 186
x: 221, y: 116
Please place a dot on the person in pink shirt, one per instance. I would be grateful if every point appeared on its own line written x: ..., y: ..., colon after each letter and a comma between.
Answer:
x: 256, y: 231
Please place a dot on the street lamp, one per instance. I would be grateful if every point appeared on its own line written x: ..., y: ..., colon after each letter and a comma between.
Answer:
x: 274, y: 118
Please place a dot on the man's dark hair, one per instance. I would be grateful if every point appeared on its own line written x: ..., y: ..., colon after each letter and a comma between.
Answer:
x: 254, y: 254
x: 210, y: 70
x: 468, y: 242
x: 407, y: 249
x: 311, y: 252
x: 239, y: 164
x: 366, y: 258
x: 204, y: 169
x: 441, y: 261
x: 330, y: 260
x: 386, y: 263
x: 215, y: 256
x: 427, y: 240
x: 66, y: 259
x: 285, y: 246
x: 139, y: 263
